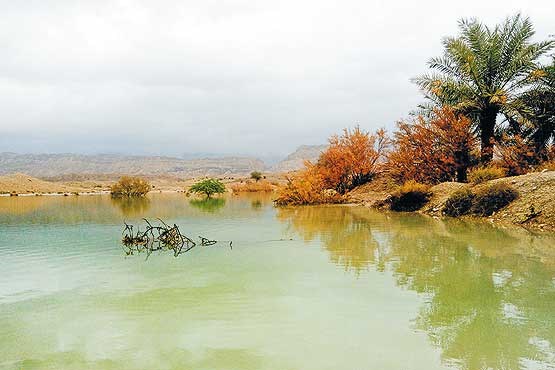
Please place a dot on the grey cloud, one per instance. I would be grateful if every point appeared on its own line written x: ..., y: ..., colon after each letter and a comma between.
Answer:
x: 254, y: 77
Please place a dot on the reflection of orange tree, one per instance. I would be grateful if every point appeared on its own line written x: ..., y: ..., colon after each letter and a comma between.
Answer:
x: 489, y: 305
x: 132, y: 206
x: 348, y: 240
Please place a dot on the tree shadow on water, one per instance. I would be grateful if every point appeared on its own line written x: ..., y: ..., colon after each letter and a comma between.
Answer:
x: 132, y: 206
x: 256, y: 204
x: 209, y: 205
x: 489, y: 291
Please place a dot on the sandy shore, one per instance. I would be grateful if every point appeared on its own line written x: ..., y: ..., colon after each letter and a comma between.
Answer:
x: 24, y: 185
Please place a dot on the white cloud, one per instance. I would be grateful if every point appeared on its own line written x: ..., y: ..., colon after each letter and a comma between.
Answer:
x: 223, y: 76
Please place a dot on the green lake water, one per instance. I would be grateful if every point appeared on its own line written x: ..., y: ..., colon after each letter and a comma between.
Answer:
x: 312, y: 288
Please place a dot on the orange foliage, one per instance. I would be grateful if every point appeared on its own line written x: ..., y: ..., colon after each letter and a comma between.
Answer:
x: 306, y: 187
x: 352, y: 159
x: 252, y: 187
x: 434, y: 150
x: 515, y: 154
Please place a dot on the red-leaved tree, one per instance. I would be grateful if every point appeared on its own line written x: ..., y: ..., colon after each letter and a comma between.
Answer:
x: 352, y: 159
x: 433, y: 150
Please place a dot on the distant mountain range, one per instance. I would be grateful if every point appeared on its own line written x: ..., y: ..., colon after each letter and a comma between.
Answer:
x: 295, y: 160
x: 51, y: 165
x: 59, y: 165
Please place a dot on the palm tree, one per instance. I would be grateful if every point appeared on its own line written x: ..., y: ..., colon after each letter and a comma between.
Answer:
x: 484, y: 71
x: 537, y: 122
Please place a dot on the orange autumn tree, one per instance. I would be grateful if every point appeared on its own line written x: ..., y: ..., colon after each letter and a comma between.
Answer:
x: 433, y: 150
x: 515, y: 154
x: 352, y: 159
x: 306, y: 187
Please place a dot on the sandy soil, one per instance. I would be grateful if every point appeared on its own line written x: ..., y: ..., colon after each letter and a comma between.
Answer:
x: 21, y: 184
x: 534, y: 209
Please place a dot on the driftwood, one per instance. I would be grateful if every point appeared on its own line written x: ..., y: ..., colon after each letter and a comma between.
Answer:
x: 162, y: 237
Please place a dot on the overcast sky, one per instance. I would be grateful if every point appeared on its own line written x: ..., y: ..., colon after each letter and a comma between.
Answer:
x: 227, y: 76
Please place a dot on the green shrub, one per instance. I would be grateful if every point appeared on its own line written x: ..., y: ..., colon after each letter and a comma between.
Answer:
x: 459, y: 203
x: 208, y: 187
x: 256, y: 175
x: 483, y: 174
x: 492, y: 198
x: 128, y: 186
x: 411, y: 196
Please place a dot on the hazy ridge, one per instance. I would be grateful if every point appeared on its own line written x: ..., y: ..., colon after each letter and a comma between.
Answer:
x: 65, y: 164
x: 49, y: 165
x: 295, y: 160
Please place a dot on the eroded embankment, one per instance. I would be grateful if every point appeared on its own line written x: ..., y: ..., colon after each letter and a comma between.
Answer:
x: 533, y: 209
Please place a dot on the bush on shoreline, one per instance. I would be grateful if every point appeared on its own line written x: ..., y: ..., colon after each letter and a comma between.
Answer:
x: 459, y: 203
x: 208, y: 187
x: 492, y: 198
x: 256, y: 175
x: 411, y: 196
x: 352, y: 159
x: 306, y: 187
x: 129, y: 186
x: 252, y: 187
x: 483, y: 174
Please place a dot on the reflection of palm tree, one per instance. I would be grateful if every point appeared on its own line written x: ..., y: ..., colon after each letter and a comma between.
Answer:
x: 132, y: 206
x: 479, y: 310
x: 210, y: 205
x: 490, y: 304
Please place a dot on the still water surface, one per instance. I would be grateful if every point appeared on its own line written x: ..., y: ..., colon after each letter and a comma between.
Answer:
x: 310, y: 288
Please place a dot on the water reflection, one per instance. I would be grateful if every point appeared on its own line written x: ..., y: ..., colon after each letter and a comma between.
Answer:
x: 209, y: 205
x: 485, y: 294
x: 491, y: 291
x: 102, y: 209
x: 132, y: 206
x: 348, y: 239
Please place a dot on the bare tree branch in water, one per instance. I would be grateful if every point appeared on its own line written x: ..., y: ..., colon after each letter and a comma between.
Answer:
x: 158, y: 238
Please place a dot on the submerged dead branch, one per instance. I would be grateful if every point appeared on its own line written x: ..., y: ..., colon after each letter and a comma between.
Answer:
x: 162, y: 237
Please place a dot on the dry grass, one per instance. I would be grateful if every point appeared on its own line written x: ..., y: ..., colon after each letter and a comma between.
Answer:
x: 411, y: 196
x: 483, y: 174
x: 459, y: 203
x: 491, y: 198
x: 546, y: 166
x: 23, y: 184
x: 252, y: 187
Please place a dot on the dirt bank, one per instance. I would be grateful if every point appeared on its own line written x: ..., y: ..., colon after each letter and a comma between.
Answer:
x: 534, y: 209
x: 22, y: 184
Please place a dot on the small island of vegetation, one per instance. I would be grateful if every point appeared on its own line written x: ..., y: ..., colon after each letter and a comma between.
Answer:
x: 129, y: 186
x: 208, y: 187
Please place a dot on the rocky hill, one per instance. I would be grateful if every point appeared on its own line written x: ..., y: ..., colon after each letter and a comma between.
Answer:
x: 295, y: 160
x: 51, y: 165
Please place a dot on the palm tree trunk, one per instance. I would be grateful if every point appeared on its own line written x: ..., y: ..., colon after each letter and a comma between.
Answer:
x: 462, y: 160
x: 487, y: 127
